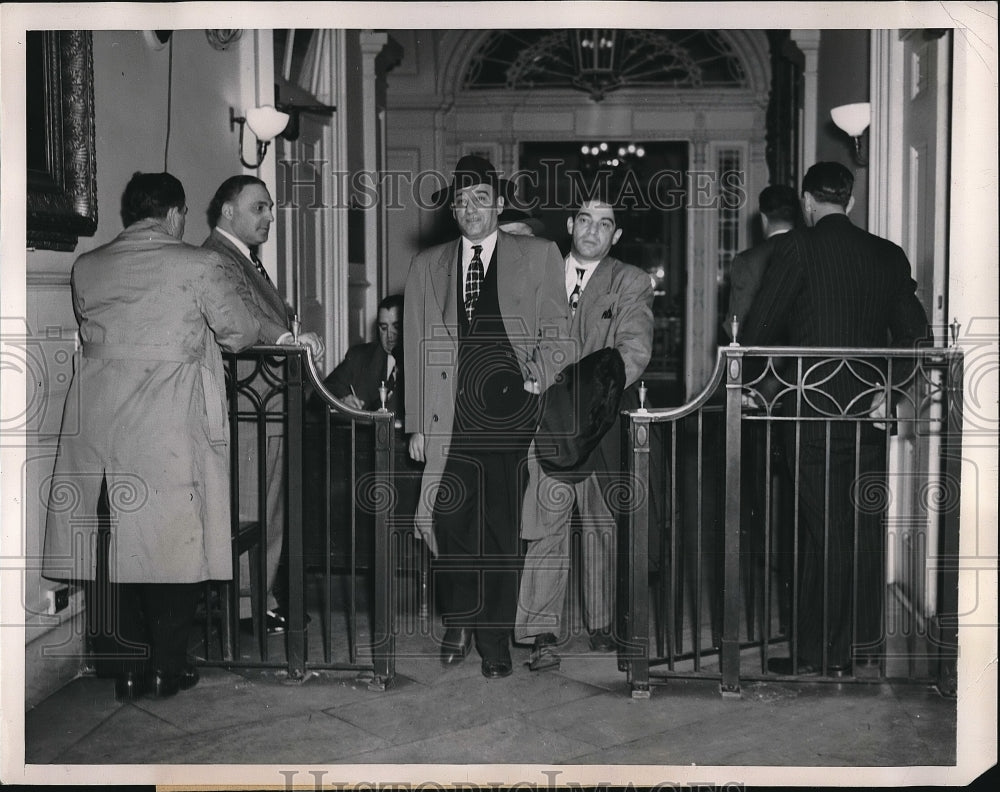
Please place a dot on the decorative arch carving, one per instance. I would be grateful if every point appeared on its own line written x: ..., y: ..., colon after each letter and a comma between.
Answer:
x: 749, y: 47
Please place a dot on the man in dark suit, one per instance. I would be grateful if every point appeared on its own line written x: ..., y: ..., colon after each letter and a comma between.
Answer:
x: 779, y: 213
x: 367, y: 367
x: 240, y: 217
x: 834, y: 285
x: 484, y: 331
x: 611, y: 307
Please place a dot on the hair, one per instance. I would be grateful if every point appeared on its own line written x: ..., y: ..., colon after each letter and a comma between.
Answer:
x: 780, y: 203
x: 829, y: 182
x: 391, y: 301
x: 228, y: 191
x: 150, y: 195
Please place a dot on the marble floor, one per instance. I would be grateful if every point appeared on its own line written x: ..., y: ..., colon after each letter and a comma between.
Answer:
x: 577, y: 719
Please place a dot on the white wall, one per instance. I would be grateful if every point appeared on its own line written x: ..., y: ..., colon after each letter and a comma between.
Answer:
x: 130, y: 97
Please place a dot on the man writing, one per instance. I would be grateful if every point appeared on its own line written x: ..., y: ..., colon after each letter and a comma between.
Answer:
x: 611, y: 307
x: 367, y: 367
x: 484, y: 323
x: 240, y: 217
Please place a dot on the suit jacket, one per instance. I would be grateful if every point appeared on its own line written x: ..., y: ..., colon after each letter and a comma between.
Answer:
x: 260, y: 296
x: 363, y: 368
x: 147, y: 409
x: 745, y: 277
x: 532, y: 295
x: 836, y: 285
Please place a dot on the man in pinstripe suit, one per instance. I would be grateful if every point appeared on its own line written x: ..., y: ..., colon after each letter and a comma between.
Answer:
x: 832, y: 284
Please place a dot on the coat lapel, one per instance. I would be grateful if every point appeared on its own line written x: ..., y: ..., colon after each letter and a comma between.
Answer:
x: 596, y: 297
x: 443, y: 282
x: 511, y: 281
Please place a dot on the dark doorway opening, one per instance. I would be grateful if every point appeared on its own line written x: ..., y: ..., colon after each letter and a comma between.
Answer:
x: 646, y: 182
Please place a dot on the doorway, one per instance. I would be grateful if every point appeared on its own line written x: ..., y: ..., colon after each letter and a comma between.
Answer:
x: 646, y: 182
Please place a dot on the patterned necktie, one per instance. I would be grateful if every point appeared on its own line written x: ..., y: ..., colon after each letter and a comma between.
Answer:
x: 473, y: 281
x: 574, y: 297
x: 260, y: 268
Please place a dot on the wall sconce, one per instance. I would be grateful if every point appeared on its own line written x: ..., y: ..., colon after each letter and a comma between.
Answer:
x: 854, y: 119
x: 265, y: 122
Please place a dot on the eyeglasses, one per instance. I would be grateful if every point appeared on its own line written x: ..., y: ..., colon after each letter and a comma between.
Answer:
x: 475, y: 202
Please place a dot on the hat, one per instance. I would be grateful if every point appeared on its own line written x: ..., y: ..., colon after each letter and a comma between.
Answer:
x: 577, y: 410
x: 512, y: 215
x: 470, y: 171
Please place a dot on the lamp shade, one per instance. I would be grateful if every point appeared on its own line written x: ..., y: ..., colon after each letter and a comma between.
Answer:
x: 266, y: 122
x: 852, y: 118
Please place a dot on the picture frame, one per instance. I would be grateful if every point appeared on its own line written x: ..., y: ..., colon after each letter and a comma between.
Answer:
x: 60, y: 147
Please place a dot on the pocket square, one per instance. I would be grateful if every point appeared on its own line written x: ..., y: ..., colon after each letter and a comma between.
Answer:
x: 607, y: 314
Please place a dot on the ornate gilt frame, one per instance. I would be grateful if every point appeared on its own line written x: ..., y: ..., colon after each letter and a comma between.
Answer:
x: 62, y: 195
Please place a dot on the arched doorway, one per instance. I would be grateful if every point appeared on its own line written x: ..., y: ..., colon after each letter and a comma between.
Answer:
x: 505, y: 93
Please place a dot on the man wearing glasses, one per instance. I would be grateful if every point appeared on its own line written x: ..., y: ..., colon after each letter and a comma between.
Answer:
x: 484, y: 332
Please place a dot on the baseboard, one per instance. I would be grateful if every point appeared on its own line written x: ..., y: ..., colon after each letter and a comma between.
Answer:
x: 53, y: 658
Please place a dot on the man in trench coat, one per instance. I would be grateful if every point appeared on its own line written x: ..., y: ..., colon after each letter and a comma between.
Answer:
x: 485, y: 329
x: 142, y: 468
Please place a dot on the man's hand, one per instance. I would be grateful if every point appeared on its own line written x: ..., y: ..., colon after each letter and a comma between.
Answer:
x: 417, y: 447
x: 314, y: 343
x: 353, y: 401
x: 531, y: 385
x: 878, y: 409
x: 310, y: 340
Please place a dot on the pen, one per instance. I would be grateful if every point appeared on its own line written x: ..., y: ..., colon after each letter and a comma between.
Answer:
x: 354, y: 392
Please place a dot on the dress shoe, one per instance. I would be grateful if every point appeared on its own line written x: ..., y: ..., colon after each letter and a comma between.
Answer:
x: 602, y: 640
x: 497, y: 668
x: 129, y: 686
x: 163, y: 684
x: 274, y: 622
x: 456, y: 645
x: 543, y: 654
x: 188, y: 677
x: 783, y: 666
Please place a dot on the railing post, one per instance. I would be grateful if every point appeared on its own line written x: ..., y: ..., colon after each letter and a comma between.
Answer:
x: 944, y: 626
x: 384, y: 499
x: 634, y: 551
x: 294, y: 419
x: 730, y: 654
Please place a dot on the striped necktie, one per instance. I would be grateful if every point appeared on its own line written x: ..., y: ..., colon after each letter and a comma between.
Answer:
x: 260, y: 268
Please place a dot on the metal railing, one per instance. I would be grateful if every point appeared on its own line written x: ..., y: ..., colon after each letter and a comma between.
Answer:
x: 322, y: 475
x: 710, y: 572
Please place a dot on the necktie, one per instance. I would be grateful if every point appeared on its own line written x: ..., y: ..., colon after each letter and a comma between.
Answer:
x: 473, y: 281
x: 574, y: 297
x: 260, y: 267
x: 390, y: 381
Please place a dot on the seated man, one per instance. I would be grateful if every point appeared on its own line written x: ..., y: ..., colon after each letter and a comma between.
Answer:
x: 366, y: 367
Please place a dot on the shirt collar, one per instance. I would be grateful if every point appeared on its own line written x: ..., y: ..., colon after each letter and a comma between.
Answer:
x: 572, y: 262
x: 238, y: 243
x: 488, y: 244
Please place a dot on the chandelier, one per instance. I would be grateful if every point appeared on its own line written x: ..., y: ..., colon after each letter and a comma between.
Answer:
x: 597, y: 52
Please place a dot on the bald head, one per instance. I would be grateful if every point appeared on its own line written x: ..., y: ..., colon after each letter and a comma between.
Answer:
x: 594, y: 231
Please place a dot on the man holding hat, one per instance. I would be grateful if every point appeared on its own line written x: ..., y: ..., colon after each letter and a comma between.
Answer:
x: 485, y: 330
x: 611, y: 307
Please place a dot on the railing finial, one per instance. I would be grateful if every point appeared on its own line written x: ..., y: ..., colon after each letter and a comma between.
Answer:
x: 955, y: 327
x: 734, y: 325
x: 642, y: 396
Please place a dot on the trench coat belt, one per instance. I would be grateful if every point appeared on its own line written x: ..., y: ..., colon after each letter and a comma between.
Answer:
x: 169, y: 354
x: 215, y: 407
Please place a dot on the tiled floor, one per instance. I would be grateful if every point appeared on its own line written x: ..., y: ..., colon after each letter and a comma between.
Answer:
x: 578, y: 715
